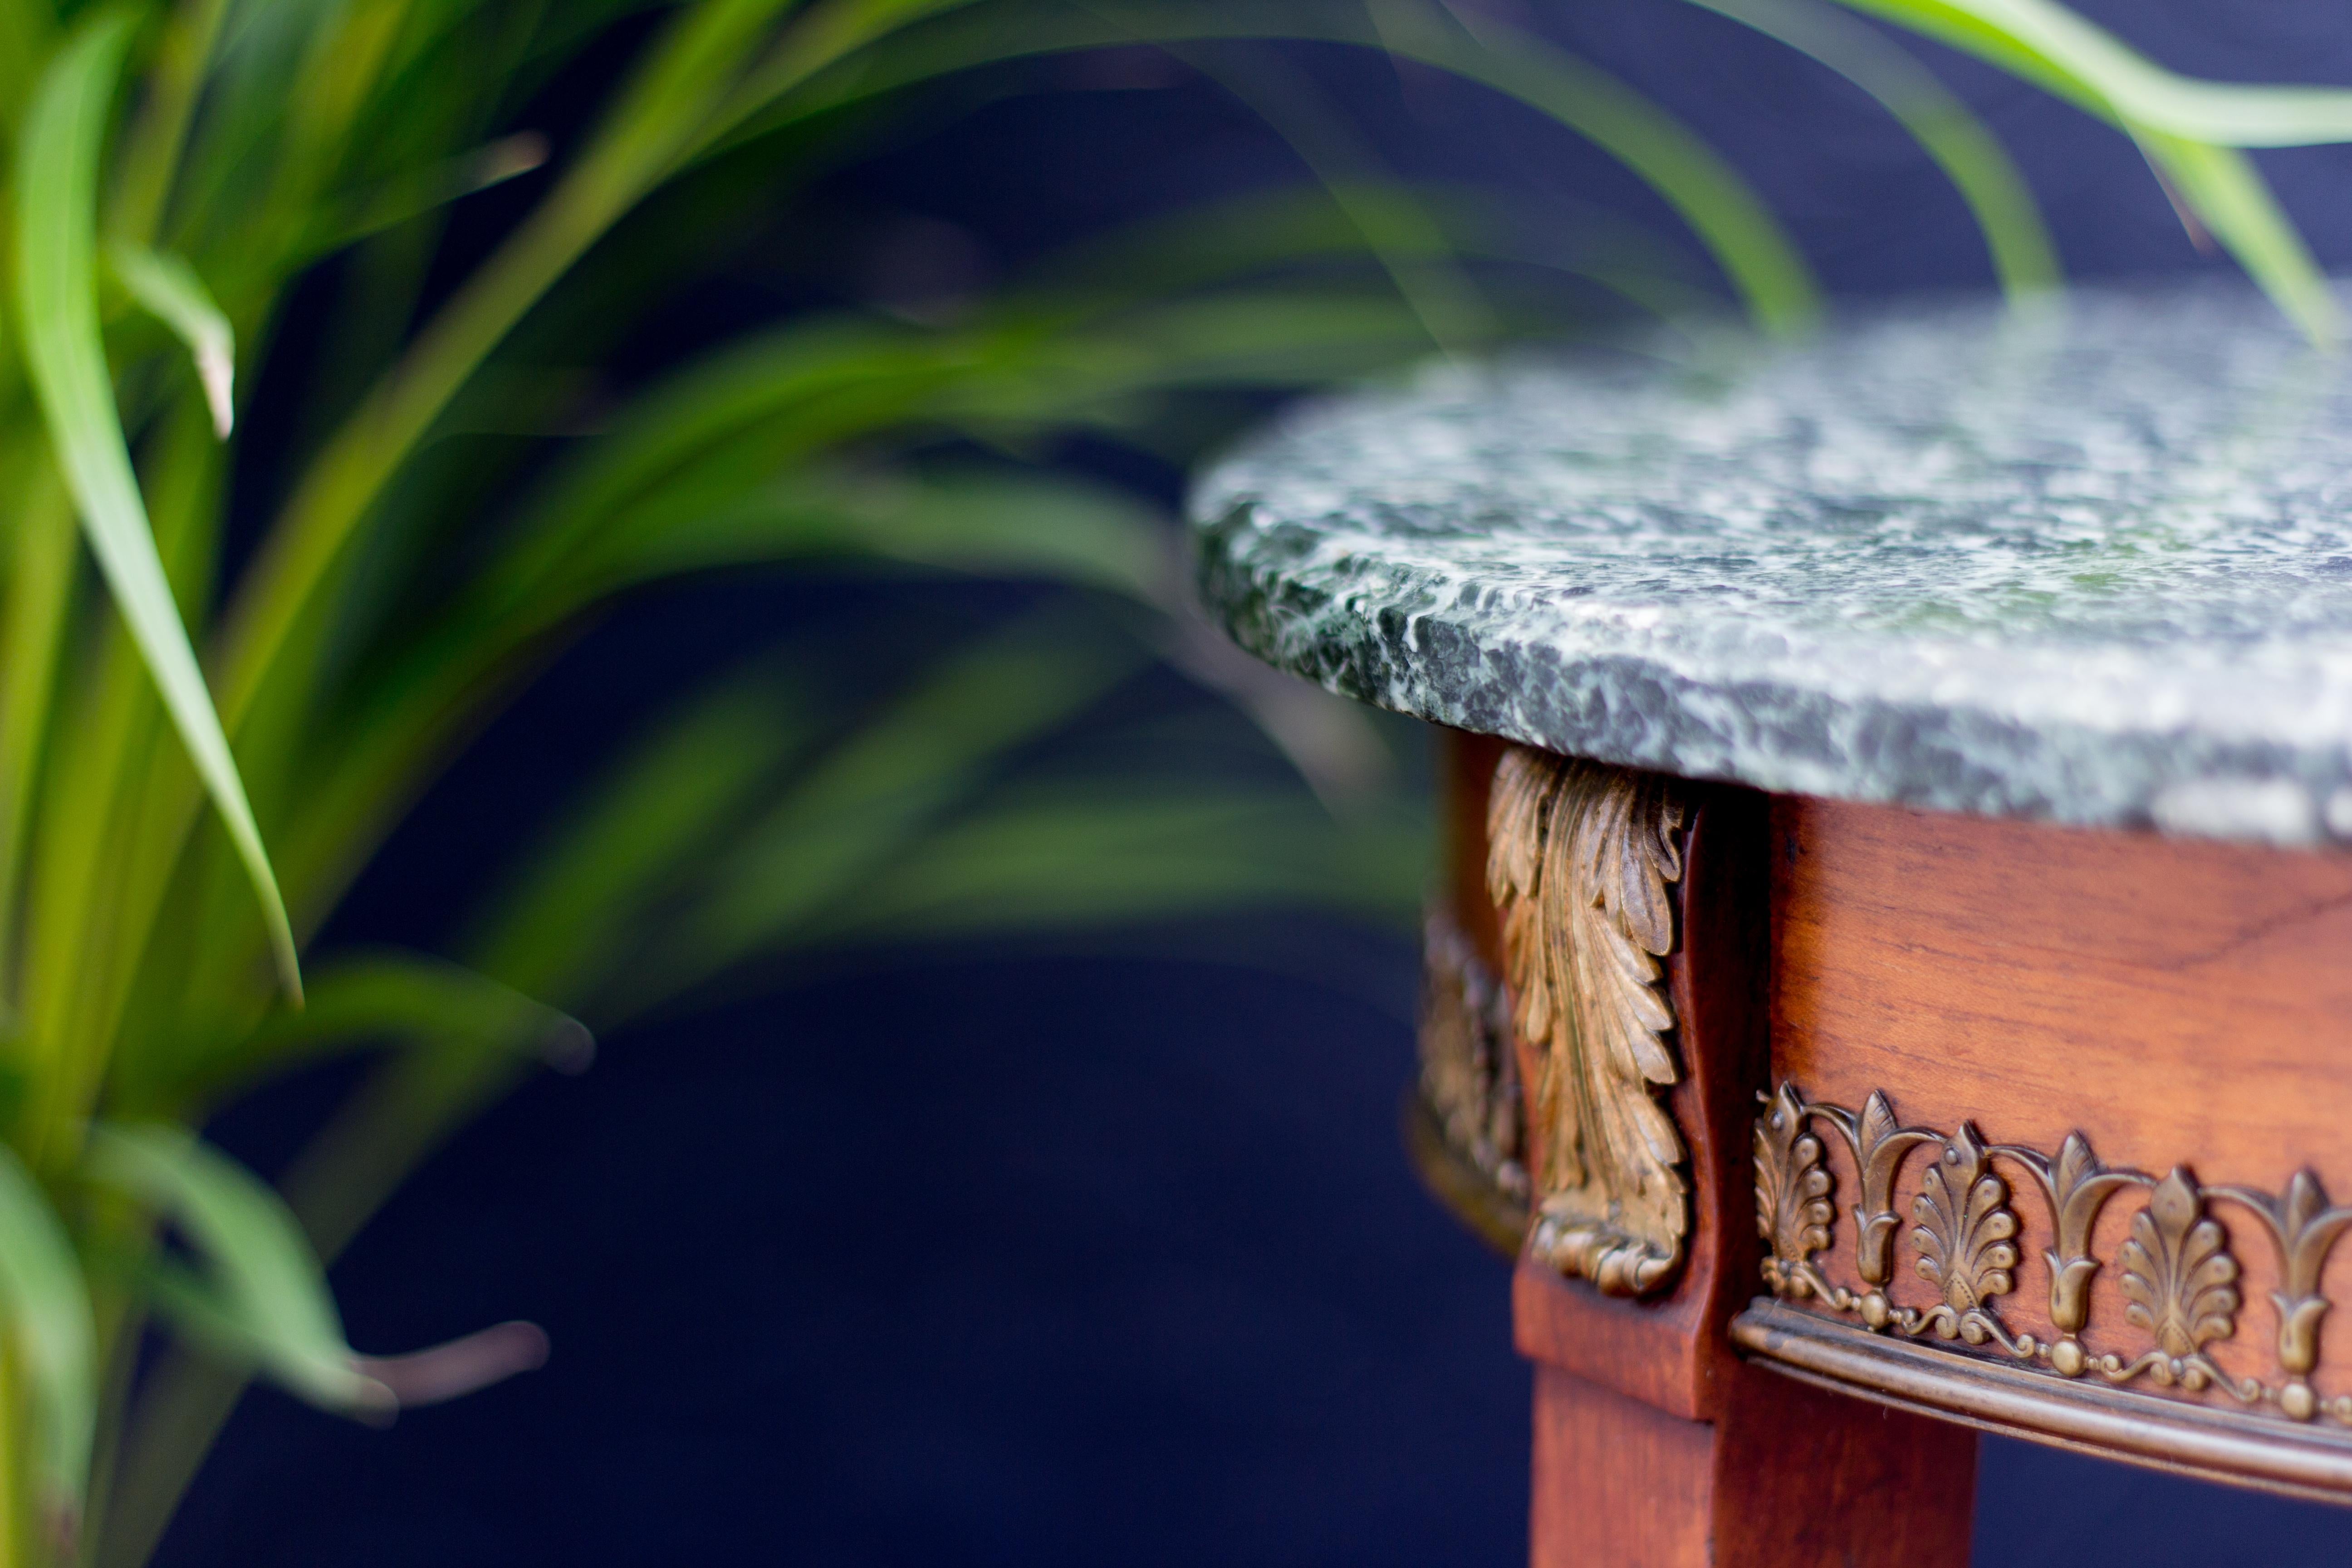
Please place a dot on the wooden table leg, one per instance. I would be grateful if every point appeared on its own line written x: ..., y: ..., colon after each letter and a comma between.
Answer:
x: 1629, y: 918
x: 1787, y: 1476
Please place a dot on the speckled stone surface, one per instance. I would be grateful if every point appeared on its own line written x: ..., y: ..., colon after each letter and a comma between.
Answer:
x: 2094, y: 567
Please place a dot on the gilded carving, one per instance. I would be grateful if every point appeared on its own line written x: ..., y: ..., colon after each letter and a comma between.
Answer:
x: 2076, y: 1187
x: 2179, y: 1280
x: 1879, y: 1145
x: 1581, y: 863
x: 1966, y: 1241
x: 1469, y: 1073
x: 2304, y: 1227
x: 1793, y: 1212
x: 2176, y: 1272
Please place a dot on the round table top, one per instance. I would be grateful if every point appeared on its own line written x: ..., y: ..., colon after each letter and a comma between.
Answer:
x: 2093, y: 566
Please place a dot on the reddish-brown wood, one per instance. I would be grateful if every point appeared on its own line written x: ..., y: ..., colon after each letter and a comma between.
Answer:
x: 1466, y: 776
x: 1788, y: 1477
x: 1617, y: 1482
x: 2170, y: 999
x: 1805, y: 1478
x: 2178, y: 1002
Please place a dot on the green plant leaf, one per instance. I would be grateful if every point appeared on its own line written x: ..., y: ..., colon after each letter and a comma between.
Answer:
x: 1741, y: 234
x: 937, y: 744
x: 33, y: 624
x: 169, y: 289
x: 1041, y: 858
x: 387, y: 992
x: 1215, y: 243
x: 1960, y: 142
x: 1411, y: 246
x: 564, y: 920
x: 998, y: 524
x: 263, y: 1293
x: 57, y: 303
x: 638, y: 143
x: 2134, y: 88
x: 382, y: 996
x: 424, y: 189
x: 45, y: 1303
x: 2187, y: 128
x: 2222, y: 187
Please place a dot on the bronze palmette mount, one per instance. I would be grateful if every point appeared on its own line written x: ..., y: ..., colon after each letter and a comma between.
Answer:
x: 1581, y: 862
x: 1464, y: 1123
x: 2176, y: 1268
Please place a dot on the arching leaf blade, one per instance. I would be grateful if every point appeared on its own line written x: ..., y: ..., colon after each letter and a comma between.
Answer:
x: 56, y: 300
x: 1960, y: 143
x: 262, y: 1288
x: 567, y: 916
x: 382, y: 997
x: 169, y: 289
x: 2222, y: 186
x: 45, y: 1301
x: 1737, y: 229
x: 2037, y: 38
x: 2190, y: 129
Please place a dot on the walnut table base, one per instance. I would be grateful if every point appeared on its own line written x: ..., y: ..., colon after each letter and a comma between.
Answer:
x: 1837, y: 1102
x: 1965, y: 1125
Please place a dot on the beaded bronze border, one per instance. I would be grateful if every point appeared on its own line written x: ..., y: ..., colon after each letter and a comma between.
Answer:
x: 2179, y: 1272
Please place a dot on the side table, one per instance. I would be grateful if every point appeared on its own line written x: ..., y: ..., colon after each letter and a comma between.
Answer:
x: 1894, y: 978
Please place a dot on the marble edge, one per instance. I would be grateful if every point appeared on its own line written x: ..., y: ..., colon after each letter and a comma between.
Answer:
x: 1765, y: 732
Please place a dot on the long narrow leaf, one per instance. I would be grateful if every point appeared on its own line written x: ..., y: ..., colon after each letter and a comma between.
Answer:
x: 264, y: 1289
x: 57, y: 299
x: 2222, y: 186
x: 169, y: 290
x: 1737, y: 229
x: 46, y: 1303
x: 2188, y: 129
x: 563, y: 922
x: 2135, y: 87
x: 374, y: 997
x: 1042, y: 859
x: 409, y: 994
x: 935, y: 746
x: 1955, y: 139
x: 638, y: 145
x: 1408, y: 243
x: 33, y: 623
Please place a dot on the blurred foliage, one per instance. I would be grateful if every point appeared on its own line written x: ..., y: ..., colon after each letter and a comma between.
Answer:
x: 207, y: 730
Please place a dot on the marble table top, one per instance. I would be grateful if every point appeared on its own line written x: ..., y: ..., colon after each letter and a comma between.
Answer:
x: 2094, y: 566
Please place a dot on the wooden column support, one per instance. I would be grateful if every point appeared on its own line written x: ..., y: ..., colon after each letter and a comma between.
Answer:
x: 1843, y: 1131
x: 1785, y: 1475
x: 1654, y: 1445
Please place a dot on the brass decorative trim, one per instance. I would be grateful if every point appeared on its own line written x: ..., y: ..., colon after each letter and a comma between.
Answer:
x: 2304, y: 1227
x: 1580, y: 861
x: 2143, y: 1388
x: 1793, y: 1212
x: 1469, y: 1073
x: 1463, y: 1121
x: 2212, y: 1442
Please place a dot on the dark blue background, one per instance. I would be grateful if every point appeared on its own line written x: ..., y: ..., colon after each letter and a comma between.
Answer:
x: 1008, y: 1256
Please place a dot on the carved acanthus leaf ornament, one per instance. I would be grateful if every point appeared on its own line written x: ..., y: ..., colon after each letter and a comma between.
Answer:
x: 1582, y: 861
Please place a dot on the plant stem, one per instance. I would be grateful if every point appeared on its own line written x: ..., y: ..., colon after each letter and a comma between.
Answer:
x: 40, y: 588
x: 151, y: 155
